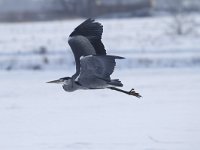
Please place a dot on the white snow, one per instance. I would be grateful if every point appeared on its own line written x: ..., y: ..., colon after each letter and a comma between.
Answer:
x: 39, y: 116
x: 119, y: 34
x: 35, y: 115
x: 144, y: 41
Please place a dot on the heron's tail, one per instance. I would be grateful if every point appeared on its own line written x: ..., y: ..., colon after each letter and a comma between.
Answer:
x: 115, y: 82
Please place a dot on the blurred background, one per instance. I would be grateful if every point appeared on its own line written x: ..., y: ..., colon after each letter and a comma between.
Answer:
x: 160, y: 40
x: 156, y: 33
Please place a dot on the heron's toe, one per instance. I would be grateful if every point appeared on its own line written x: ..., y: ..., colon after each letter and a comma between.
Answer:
x: 132, y: 92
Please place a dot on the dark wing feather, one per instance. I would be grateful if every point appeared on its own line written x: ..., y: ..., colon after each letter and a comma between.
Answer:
x: 93, y: 32
x: 98, y: 46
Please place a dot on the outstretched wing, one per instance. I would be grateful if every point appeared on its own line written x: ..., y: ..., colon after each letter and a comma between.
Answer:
x: 92, y: 31
x: 97, y: 67
x: 86, y: 40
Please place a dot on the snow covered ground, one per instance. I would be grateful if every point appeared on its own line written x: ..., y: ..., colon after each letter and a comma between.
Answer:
x: 136, y: 34
x: 146, y: 42
x: 39, y: 116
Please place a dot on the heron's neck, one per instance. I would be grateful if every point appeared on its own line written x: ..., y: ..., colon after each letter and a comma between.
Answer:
x: 71, y: 86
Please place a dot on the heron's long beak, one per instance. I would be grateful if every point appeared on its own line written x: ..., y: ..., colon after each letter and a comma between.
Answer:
x: 55, y: 81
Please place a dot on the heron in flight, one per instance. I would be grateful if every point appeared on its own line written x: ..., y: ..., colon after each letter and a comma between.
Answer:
x: 93, y: 65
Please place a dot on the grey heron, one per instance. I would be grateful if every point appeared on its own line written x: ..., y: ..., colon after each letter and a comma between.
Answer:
x: 93, y: 65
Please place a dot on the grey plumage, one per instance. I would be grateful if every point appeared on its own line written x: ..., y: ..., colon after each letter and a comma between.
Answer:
x: 86, y: 40
x: 96, y: 71
x: 93, y: 66
x: 93, y: 32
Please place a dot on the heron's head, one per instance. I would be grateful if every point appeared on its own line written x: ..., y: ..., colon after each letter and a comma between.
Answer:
x: 65, y: 80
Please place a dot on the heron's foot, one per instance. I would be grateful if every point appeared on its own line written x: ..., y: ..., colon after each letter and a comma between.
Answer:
x: 132, y: 92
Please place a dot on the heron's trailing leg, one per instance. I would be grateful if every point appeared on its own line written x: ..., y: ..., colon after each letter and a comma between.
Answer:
x: 131, y: 92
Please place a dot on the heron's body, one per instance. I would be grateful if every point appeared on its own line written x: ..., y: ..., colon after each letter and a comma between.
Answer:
x: 93, y: 65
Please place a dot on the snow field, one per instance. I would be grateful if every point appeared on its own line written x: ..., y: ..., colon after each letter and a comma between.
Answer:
x: 36, y: 115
